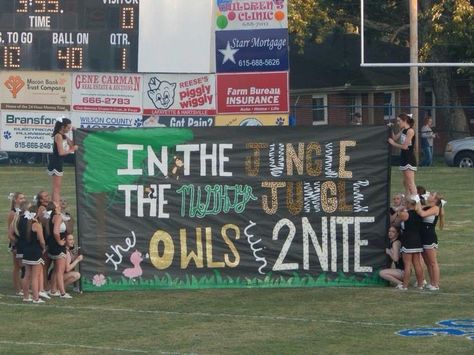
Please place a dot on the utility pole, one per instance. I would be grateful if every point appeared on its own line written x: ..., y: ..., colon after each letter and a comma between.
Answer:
x: 414, y: 69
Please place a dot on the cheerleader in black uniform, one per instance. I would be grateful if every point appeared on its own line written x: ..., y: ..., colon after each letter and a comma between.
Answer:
x: 43, y: 200
x: 32, y: 231
x: 394, y: 274
x: 17, y: 199
x: 406, y: 135
x: 431, y: 213
x: 62, y: 146
x: 398, y: 206
x: 411, y: 244
x: 57, y: 252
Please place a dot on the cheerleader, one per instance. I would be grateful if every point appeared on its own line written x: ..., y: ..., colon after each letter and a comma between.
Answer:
x: 431, y: 213
x: 394, y: 274
x: 62, y: 146
x: 17, y: 199
x: 32, y: 231
x: 42, y: 201
x: 57, y: 252
x: 398, y: 206
x: 20, y: 240
x: 72, y: 259
x: 67, y: 218
x: 406, y: 135
x: 411, y: 244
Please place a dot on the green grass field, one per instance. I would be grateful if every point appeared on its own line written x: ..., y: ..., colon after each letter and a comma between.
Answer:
x: 249, y: 321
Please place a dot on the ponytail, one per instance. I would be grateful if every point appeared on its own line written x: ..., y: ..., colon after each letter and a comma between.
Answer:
x: 14, y: 224
x: 439, y: 203
x: 24, y: 206
x: 60, y: 124
x: 29, y: 224
x: 441, y: 216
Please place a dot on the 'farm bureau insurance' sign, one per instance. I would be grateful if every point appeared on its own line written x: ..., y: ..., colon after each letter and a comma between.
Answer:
x: 241, y: 207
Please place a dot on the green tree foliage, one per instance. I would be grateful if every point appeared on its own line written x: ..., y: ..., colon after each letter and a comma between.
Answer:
x: 446, y: 33
x: 448, y: 30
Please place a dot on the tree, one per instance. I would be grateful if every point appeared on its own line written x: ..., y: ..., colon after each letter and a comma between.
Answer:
x: 446, y: 30
x: 448, y: 36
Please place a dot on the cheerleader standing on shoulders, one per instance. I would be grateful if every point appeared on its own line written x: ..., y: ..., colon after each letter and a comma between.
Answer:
x: 411, y: 244
x: 32, y: 231
x: 57, y: 252
x: 16, y: 199
x: 431, y: 213
x: 62, y: 146
x: 394, y: 275
x: 406, y: 135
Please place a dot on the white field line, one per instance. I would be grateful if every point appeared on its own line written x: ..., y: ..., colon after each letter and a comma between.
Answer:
x: 89, y: 347
x: 214, y: 315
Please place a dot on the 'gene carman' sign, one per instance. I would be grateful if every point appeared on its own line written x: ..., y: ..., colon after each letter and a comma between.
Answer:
x: 241, y: 207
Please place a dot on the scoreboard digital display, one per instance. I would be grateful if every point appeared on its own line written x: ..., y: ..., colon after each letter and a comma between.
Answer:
x: 76, y: 35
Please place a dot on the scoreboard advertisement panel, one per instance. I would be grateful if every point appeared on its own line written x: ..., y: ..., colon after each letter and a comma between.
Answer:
x: 76, y: 35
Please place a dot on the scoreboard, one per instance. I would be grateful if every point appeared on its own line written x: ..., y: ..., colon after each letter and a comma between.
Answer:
x: 76, y: 35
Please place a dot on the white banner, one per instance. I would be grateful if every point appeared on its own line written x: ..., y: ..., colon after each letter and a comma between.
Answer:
x: 107, y: 92
x: 28, y: 131
x: 176, y: 36
x: 179, y: 94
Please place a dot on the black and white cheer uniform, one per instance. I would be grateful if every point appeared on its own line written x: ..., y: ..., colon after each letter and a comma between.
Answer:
x: 407, y: 157
x: 429, y: 238
x: 56, y: 161
x: 411, y: 236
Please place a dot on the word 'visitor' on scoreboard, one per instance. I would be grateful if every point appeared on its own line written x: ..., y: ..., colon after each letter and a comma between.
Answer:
x: 79, y: 35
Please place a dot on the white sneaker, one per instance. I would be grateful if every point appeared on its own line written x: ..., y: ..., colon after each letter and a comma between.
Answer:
x: 29, y: 299
x: 420, y: 287
x: 43, y: 294
x: 54, y: 294
x: 66, y: 295
x: 38, y: 301
x: 430, y: 287
x: 400, y: 287
x: 19, y: 293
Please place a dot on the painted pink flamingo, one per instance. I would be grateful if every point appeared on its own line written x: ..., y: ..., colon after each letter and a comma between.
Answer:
x: 136, y: 258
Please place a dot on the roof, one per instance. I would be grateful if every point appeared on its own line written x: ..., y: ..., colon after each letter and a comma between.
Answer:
x: 335, y: 65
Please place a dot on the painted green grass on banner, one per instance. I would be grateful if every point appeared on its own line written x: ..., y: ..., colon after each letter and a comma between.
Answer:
x: 218, y: 281
x: 102, y: 158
